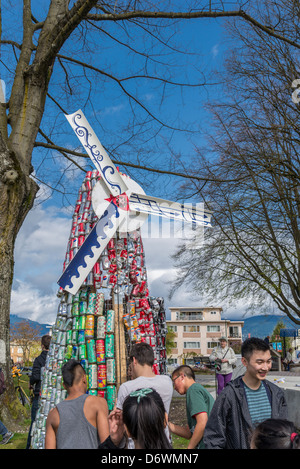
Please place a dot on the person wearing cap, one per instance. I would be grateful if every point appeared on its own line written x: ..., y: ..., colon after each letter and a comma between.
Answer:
x: 224, y: 358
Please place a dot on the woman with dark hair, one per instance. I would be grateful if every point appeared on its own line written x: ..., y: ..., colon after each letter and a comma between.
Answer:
x: 145, y: 419
x: 275, y: 434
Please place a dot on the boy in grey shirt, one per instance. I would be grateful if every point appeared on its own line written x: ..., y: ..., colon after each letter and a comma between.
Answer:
x: 142, y: 357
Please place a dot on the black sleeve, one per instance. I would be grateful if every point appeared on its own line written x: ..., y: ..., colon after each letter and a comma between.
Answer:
x: 36, y: 372
x: 108, y: 444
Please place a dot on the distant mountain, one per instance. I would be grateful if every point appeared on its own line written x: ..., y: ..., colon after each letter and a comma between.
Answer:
x: 14, y: 319
x: 263, y: 325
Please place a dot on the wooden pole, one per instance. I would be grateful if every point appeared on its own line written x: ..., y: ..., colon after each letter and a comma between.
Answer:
x: 120, y: 344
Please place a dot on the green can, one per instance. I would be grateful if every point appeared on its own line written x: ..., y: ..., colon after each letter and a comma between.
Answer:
x: 82, y: 307
x: 109, y: 345
x: 111, y: 395
x: 74, y: 336
x: 75, y: 309
x: 82, y: 352
x: 68, y: 352
x: 69, y: 337
x: 91, y: 351
x: 82, y: 322
x: 75, y: 323
x: 110, y: 321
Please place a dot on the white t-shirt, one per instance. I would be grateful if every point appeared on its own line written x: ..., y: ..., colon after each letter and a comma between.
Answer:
x: 162, y: 384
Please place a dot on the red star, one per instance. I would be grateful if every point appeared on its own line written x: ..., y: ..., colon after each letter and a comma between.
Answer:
x: 120, y: 201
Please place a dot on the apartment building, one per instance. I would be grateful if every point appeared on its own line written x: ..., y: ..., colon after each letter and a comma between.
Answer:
x: 197, y: 332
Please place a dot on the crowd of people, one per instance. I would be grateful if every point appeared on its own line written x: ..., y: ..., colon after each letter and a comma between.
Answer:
x: 249, y: 412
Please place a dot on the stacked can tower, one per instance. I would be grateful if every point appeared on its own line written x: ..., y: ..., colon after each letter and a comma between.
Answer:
x: 85, y: 322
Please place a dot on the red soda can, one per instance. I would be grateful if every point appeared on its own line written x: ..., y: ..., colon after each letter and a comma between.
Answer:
x: 100, y: 350
x: 81, y: 240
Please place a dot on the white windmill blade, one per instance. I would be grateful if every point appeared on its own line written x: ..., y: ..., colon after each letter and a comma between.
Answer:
x: 97, y: 153
x: 167, y: 209
x: 85, y: 259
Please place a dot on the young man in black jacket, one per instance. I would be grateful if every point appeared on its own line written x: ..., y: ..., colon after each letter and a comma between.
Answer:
x: 245, y: 401
x: 36, y: 380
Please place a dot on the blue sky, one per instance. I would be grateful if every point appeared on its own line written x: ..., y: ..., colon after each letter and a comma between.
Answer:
x: 42, y: 241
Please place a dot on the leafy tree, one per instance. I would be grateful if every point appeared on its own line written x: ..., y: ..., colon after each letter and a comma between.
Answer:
x: 252, y: 254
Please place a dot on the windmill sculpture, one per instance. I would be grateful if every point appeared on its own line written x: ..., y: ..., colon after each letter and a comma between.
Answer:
x: 105, y: 303
x: 113, y: 197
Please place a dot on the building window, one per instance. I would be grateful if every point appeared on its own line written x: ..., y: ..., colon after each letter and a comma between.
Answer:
x: 212, y: 344
x: 213, y: 312
x: 191, y: 345
x: 213, y: 328
x: 189, y: 316
x: 172, y: 361
x: 191, y: 328
x: 173, y: 328
x: 234, y: 331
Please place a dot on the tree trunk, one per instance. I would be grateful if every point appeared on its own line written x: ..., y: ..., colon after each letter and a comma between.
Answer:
x: 17, y: 193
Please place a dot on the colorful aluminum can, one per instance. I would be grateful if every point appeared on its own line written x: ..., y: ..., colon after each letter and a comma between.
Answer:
x: 91, y: 351
x: 92, y: 303
x: 90, y: 322
x: 69, y: 337
x: 81, y: 337
x: 111, y: 396
x: 100, y: 350
x: 75, y: 352
x: 101, y: 327
x: 82, y: 354
x: 101, y: 377
x: 109, y: 345
x: 75, y: 323
x: 101, y: 393
x: 110, y: 321
x: 111, y: 371
x: 82, y: 321
x: 74, y: 336
x: 89, y: 333
x: 99, y: 304
x: 92, y: 374
x: 75, y: 309
x: 60, y: 353
x: 68, y: 352
x: 82, y: 307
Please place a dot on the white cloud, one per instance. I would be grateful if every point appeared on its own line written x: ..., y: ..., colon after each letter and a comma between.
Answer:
x: 111, y: 110
x: 215, y: 50
x: 39, y: 256
x: 29, y: 302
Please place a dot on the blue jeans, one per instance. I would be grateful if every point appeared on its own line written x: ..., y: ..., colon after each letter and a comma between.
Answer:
x: 3, y: 429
